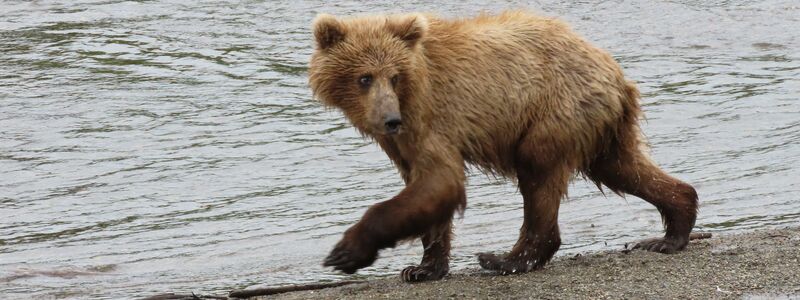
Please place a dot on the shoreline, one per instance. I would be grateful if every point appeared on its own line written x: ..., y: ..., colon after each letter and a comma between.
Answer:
x: 761, y: 264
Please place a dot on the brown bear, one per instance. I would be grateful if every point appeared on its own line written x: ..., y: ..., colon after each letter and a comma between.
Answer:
x: 514, y: 94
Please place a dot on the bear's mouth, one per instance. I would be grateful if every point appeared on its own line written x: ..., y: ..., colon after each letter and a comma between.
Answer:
x: 383, y: 131
x: 387, y: 132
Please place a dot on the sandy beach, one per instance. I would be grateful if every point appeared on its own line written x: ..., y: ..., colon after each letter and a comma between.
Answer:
x: 763, y: 264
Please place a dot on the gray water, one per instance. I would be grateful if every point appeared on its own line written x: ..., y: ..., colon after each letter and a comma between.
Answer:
x: 168, y: 146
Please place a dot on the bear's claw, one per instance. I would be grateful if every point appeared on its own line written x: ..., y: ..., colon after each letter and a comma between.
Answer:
x: 348, y: 257
x: 336, y: 259
x: 341, y: 261
x: 420, y: 274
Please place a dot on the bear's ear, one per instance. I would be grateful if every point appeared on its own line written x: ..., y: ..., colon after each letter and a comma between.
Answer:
x: 328, y: 31
x: 410, y: 28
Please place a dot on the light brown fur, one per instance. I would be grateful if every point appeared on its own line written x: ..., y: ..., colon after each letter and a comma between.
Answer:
x: 517, y: 95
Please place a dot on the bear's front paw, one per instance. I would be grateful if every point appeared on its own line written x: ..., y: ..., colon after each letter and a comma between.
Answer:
x: 422, y: 273
x: 349, y: 255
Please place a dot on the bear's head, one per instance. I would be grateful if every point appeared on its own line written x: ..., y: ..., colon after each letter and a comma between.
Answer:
x: 369, y: 67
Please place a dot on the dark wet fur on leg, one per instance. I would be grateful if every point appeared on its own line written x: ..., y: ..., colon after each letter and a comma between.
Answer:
x: 543, y: 179
x: 625, y: 169
x: 397, y: 219
x: 436, y: 258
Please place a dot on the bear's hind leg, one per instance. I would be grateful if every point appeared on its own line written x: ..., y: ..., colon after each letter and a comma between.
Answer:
x: 542, y: 190
x: 626, y: 169
x: 436, y: 258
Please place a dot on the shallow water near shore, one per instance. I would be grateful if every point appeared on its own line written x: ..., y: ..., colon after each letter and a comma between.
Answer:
x: 151, y: 147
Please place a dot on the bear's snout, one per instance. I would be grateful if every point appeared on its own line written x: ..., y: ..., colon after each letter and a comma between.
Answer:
x: 392, y: 123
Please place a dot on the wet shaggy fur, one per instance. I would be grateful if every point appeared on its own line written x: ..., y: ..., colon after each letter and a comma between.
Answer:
x: 515, y: 94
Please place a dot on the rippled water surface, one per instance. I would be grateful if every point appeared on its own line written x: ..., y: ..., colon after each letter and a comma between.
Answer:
x: 168, y: 146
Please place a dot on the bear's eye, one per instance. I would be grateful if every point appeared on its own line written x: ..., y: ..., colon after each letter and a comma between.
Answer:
x: 365, y: 81
x: 395, y: 79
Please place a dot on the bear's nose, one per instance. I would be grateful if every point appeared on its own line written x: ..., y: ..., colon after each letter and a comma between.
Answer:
x: 392, y: 123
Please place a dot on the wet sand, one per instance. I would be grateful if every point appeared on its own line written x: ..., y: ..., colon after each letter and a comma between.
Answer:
x: 763, y: 264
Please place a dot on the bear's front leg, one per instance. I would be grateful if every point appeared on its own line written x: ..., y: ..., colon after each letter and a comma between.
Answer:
x: 429, y: 200
x: 542, y: 189
x: 436, y: 258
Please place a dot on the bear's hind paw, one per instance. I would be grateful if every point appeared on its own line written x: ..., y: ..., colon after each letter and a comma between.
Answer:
x: 662, y: 245
x: 493, y: 262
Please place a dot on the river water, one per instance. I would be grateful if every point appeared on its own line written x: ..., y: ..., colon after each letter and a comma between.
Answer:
x: 168, y: 146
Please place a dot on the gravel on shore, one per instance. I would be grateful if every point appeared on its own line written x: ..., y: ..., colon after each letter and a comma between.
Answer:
x: 763, y: 264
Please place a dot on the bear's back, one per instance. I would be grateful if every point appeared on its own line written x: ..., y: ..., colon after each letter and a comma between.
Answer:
x: 496, y: 76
